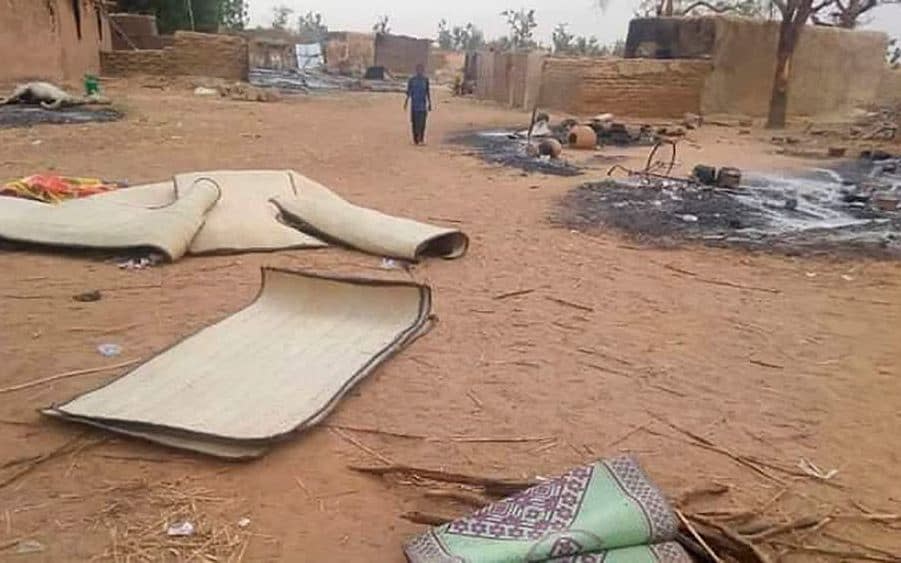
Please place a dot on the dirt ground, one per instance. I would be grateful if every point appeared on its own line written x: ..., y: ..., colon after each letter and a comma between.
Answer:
x: 781, y: 358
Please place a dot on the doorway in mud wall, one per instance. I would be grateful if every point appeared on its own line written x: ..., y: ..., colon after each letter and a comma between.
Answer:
x: 76, y: 9
x: 99, y: 15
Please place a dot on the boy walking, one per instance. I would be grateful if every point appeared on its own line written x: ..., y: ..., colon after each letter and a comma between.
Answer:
x: 419, y: 93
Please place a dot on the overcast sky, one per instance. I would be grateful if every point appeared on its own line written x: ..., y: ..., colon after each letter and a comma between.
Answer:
x: 421, y: 18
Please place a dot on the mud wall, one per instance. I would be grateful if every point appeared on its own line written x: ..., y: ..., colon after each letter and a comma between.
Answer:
x: 671, y: 38
x: 272, y: 54
x: 128, y: 63
x: 889, y: 92
x: 134, y: 30
x: 512, y: 79
x: 626, y: 87
x: 48, y: 40
x: 534, y: 69
x: 443, y: 60
x: 400, y: 54
x: 833, y: 70
x: 485, y: 74
x: 203, y: 54
x: 444, y: 66
x: 29, y: 32
x: 503, y: 67
x: 192, y: 54
x: 81, y: 38
x: 349, y: 52
x: 516, y: 79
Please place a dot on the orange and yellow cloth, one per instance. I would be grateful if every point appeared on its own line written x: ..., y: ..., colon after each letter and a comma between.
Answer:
x: 54, y: 189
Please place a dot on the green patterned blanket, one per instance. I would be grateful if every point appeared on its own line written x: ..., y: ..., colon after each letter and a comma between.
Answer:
x: 609, y: 512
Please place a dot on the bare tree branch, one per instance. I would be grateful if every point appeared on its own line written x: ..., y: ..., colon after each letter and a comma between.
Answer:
x: 703, y: 4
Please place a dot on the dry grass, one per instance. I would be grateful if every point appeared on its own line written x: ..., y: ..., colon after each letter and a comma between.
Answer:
x: 139, y: 513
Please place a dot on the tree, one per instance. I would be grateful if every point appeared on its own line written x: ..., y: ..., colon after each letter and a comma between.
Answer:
x: 795, y: 14
x: 467, y: 38
x: 233, y: 13
x: 747, y: 8
x: 587, y: 47
x: 562, y: 40
x: 522, y: 26
x: 280, y: 16
x: 461, y: 38
x: 445, y: 37
x: 848, y: 13
x: 615, y: 49
x: 173, y: 15
x: 566, y: 43
x: 502, y: 43
x: 381, y: 25
x: 311, y: 29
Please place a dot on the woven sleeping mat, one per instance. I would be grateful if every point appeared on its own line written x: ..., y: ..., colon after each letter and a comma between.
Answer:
x: 279, y: 365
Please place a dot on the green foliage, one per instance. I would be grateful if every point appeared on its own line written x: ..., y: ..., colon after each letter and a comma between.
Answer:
x: 502, y: 43
x: 461, y: 38
x: 173, y: 15
x: 381, y: 25
x: 615, y: 49
x: 233, y: 13
x: 566, y: 43
x: 311, y: 27
x: 445, y: 37
x: 562, y: 40
x: 522, y: 27
x: 280, y: 16
x: 587, y: 47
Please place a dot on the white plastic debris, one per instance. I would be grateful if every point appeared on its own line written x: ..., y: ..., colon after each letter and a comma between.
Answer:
x: 689, y: 218
x: 148, y: 261
x: 244, y: 522
x: 29, y: 546
x: 109, y: 350
x: 389, y: 264
x: 203, y: 91
x: 180, y: 529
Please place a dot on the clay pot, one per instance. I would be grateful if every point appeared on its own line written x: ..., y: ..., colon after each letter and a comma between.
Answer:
x: 550, y: 147
x: 582, y: 137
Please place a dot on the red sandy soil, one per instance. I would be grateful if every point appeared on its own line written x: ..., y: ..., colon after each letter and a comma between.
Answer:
x: 806, y: 365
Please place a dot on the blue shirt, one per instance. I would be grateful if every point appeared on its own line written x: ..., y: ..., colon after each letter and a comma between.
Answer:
x: 418, y: 92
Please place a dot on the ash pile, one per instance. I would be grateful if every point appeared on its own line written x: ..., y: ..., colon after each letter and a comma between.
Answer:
x: 544, y: 147
x: 853, y: 208
x: 306, y: 81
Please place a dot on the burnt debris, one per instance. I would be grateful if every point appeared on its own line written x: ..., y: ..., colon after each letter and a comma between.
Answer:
x: 854, y: 209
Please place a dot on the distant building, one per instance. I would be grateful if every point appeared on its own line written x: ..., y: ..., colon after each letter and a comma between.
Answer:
x: 400, y: 54
x: 348, y: 52
x: 52, y: 39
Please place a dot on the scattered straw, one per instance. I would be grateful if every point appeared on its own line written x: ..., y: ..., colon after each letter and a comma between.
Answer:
x: 139, y: 513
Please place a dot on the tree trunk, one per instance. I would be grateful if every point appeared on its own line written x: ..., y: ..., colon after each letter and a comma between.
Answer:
x: 189, y: 4
x: 666, y: 8
x: 788, y: 34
